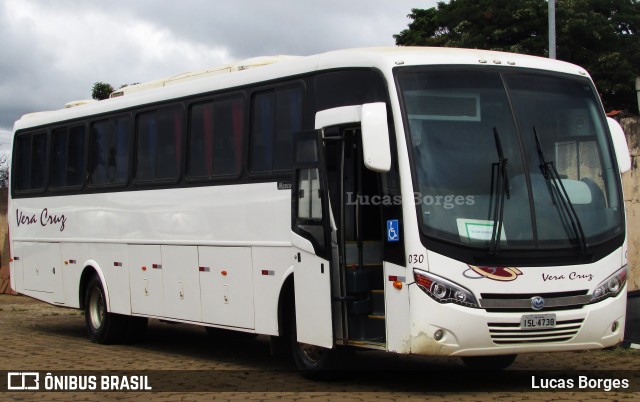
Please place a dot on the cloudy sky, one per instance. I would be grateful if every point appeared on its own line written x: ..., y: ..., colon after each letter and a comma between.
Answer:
x: 52, y: 52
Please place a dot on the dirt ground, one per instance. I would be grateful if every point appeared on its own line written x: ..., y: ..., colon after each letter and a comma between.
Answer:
x: 35, y: 336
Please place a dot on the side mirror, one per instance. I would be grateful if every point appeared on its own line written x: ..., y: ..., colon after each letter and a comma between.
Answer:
x: 620, y: 145
x: 375, y: 137
x: 375, y: 133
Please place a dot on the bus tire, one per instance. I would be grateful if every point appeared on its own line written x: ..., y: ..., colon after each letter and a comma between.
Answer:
x: 103, y: 327
x: 314, y: 362
x: 499, y: 362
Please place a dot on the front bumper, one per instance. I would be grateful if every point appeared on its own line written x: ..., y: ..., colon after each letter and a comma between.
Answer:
x: 476, y: 332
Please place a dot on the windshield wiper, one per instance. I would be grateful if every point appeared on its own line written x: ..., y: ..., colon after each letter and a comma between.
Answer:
x: 501, y: 189
x: 551, y: 175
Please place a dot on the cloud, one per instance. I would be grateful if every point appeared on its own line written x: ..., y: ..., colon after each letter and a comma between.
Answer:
x: 54, y: 51
x: 71, y: 48
x: 5, y: 143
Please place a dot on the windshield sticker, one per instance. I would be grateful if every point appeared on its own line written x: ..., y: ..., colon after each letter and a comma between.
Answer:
x: 503, y: 274
x: 477, y: 230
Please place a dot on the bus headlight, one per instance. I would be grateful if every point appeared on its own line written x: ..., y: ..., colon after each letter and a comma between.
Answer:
x: 443, y: 290
x: 611, y: 286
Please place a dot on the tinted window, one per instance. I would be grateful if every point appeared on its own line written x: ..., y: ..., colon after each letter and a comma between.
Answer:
x: 31, y: 164
x: 159, y: 143
x: 346, y: 88
x: 556, y: 187
x: 67, y: 165
x: 59, y: 157
x: 109, y: 151
x: 276, y: 116
x: 22, y: 172
x: 215, y: 138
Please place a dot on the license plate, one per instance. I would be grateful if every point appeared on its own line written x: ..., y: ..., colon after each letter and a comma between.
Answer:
x: 538, y: 321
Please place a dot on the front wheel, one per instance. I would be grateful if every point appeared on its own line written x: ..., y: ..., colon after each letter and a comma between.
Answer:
x: 309, y: 358
x: 313, y: 361
x: 499, y: 362
x: 103, y: 327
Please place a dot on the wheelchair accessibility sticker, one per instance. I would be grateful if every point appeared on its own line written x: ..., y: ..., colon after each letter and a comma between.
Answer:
x: 393, y: 232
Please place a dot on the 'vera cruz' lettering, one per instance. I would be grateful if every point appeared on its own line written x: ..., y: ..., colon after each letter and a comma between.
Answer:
x: 572, y: 277
x: 46, y: 219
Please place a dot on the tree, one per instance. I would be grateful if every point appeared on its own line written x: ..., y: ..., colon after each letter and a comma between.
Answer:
x: 101, y: 90
x: 4, y: 170
x: 602, y: 36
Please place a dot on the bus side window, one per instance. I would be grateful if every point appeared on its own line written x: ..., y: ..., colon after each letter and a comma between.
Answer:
x: 31, y: 164
x: 262, y: 133
x: 98, y: 147
x: 22, y: 175
x: 200, y: 140
x: 159, y: 144
x: 67, y: 168
x: 38, y: 159
x: 118, y: 161
x: 109, y: 151
x: 215, y: 138
x: 288, y: 121
x: 59, y: 156
x: 276, y: 116
x: 227, y: 143
x: 146, y: 146
x: 75, y: 156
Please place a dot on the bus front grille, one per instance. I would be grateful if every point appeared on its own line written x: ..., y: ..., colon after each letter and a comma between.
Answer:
x: 511, y: 333
x: 512, y: 303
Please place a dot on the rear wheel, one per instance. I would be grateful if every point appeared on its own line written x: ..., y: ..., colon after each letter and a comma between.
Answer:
x: 499, y: 362
x: 103, y: 327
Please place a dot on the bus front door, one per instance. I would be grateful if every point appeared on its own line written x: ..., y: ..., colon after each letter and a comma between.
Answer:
x: 311, y: 239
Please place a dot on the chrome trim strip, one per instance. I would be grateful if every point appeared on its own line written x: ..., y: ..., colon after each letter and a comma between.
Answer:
x: 526, y: 303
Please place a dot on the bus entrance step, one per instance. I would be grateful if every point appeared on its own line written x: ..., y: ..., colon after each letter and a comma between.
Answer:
x: 367, y: 327
x: 358, y: 280
x: 363, y: 280
x: 362, y: 306
x: 377, y: 301
x: 372, y: 252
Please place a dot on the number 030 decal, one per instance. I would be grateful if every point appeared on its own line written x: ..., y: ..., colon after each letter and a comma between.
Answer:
x: 416, y: 258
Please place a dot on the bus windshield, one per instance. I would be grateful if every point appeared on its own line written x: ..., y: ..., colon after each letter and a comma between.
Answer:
x: 510, y: 160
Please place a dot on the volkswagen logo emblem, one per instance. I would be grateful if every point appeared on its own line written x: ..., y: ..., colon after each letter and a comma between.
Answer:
x: 537, y: 303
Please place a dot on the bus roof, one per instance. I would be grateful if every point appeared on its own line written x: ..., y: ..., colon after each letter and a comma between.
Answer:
x: 208, y: 72
x: 274, y: 67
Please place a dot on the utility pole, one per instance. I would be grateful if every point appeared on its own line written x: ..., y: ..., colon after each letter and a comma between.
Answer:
x: 552, y: 29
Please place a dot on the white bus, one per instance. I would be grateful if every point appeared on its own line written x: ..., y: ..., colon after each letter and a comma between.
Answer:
x: 412, y: 200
